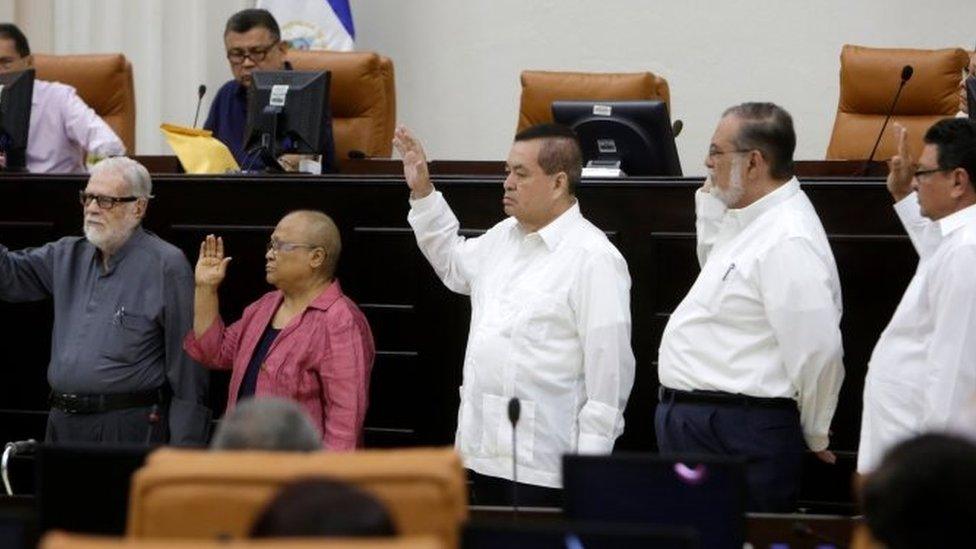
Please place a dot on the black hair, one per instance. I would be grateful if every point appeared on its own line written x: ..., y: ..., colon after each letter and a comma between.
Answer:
x: 560, y: 151
x: 767, y: 128
x: 923, y: 494
x: 9, y: 31
x: 955, y: 140
x: 246, y: 20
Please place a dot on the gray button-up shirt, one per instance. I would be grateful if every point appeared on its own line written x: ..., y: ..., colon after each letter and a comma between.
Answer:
x: 120, y: 329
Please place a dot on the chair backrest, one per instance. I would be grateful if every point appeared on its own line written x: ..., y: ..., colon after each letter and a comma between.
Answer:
x: 541, y: 88
x: 869, y: 78
x: 63, y: 540
x: 103, y: 81
x: 203, y: 494
x: 363, y: 99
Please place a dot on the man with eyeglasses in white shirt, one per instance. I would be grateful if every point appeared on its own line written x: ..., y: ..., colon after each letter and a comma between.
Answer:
x: 750, y: 361
x: 922, y: 373
x: 550, y: 320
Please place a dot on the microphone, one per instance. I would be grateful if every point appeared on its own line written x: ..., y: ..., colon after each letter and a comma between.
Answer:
x: 514, y: 409
x: 201, y: 91
x: 677, y: 127
x: 906, y: 75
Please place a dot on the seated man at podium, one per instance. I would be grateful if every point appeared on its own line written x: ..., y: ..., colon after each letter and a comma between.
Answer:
x: 550, y: 318
x: 63, y: 129
x: 305, y: 341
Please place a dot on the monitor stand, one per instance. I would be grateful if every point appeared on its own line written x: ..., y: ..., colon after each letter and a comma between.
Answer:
x: 603, y: 168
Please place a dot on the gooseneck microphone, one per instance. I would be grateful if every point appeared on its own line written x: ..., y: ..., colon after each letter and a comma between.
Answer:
x: 677, y: 127
x: 201, y: 91
x: 514, y: 410
x: 906, y: 75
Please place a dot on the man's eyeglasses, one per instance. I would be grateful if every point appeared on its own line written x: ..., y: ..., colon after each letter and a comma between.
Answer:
x: 280, y: 246
x: 712, y: 153
x: 254, y: 54
x: 104, y: 202
x: 920, y: 174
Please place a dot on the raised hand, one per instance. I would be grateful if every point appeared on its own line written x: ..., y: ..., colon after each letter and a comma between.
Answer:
x: 414, y: 162
x: 211, y: 265
x: 901, y: 167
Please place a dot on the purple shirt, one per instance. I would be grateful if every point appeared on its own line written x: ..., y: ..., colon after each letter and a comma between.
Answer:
x: 63, y: 129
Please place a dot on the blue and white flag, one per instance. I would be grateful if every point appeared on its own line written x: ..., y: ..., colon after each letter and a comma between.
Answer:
x: 313, y: 24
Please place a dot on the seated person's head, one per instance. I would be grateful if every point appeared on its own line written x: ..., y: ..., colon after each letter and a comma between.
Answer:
x: 15, y: 52
x: 320, y: 507
x: 304, y: 250
x: 923, y: 494
x: 267, y: 423
x: 253, y: 42
x: 544, y: 167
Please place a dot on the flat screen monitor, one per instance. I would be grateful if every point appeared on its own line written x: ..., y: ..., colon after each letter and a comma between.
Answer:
x: 16, y: 92
x: 85, y: 488
x: 288, y: 113
x: 574, y: 535
x: 705, y: 493
x: 635, y: 136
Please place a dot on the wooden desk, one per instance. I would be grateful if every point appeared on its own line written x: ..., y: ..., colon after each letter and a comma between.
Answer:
x: 420, y: 326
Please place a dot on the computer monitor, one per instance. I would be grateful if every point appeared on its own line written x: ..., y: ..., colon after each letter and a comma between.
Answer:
x: 706, y: 493
x: 16, y: 92
x: 571, y: 535
x: 288, y: 113
x: 632, y: 137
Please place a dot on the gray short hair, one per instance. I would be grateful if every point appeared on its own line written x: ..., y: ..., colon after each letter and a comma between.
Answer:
x: 267, y: 423
x: 132, y: 172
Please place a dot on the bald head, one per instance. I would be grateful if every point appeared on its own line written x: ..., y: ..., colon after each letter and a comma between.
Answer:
x: 319, y: 229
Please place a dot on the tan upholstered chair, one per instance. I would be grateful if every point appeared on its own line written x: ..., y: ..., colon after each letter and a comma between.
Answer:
x: 541, y: 88
x: 363, y: 99
x: 203, y: 494
x: 102, y: 81
x: 869, y: 78
x: 62, y: 540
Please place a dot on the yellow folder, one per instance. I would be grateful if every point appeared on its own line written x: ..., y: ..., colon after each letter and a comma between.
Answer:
x: 198, y: 150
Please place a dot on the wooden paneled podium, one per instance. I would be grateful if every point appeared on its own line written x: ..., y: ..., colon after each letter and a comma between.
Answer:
x: 419, y: 325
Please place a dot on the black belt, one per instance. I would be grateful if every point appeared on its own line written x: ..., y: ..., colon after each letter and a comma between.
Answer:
x: 94, y: 404
x: 666, y: 394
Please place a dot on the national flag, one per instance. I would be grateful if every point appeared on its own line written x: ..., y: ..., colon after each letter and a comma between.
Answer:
x: 313, y: 24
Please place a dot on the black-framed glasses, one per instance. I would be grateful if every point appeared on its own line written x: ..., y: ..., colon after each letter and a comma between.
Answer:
x: 281, y: 246
x: 919, y: 174
x: 254, y: 54
x: 712, y: 153
x: 104, y: 202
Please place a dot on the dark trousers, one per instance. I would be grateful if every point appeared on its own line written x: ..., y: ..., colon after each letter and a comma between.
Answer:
x: 127, y: 426
x: 485, y: 490
x: 770, y: 439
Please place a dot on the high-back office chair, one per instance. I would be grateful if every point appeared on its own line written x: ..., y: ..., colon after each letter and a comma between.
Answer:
x: 103, y: 81
x: 363, y: 99
x: 203, y: 494
x: 62, y: 540
x: 869, y: 78
x: 541, y: 88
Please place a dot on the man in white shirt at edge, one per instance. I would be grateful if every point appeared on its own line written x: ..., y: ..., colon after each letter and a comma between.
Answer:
x: 922, y: 372
x: 750, y: 361
x: 550, y: 321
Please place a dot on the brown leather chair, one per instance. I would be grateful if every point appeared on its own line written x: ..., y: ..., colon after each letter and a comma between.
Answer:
x: 62, y: 540
x: 203, y: 494
x: 541, y: 88
x: 869, y: 78
x: 363, y: 99
x: 103, y: 81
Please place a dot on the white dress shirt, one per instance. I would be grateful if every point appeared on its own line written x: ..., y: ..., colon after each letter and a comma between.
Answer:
x: 763, y: 317
x: 923, y: 369
x: 63, y: 129
x: 550, y: 324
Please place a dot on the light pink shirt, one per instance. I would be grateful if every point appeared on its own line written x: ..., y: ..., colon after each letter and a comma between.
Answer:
x: 63, y: 129
x: 322, y: 360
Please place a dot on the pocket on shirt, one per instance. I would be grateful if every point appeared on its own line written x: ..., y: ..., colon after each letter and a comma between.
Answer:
x: 129, y: 336
x: 545, y: 317
x: 496, y: 436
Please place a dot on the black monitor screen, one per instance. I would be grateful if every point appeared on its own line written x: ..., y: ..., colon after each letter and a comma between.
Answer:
x: 574, y: 535
x: 638, y: 134
x: 288, y: 113
x: 85, y: 488
x: 704, y: 493
x: 16, y: 92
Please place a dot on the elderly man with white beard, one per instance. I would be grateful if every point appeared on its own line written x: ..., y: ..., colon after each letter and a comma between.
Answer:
x: 123, y: 299
x: 750, y: 361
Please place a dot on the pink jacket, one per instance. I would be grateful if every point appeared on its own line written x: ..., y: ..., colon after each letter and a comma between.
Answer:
x: 322, y: 360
